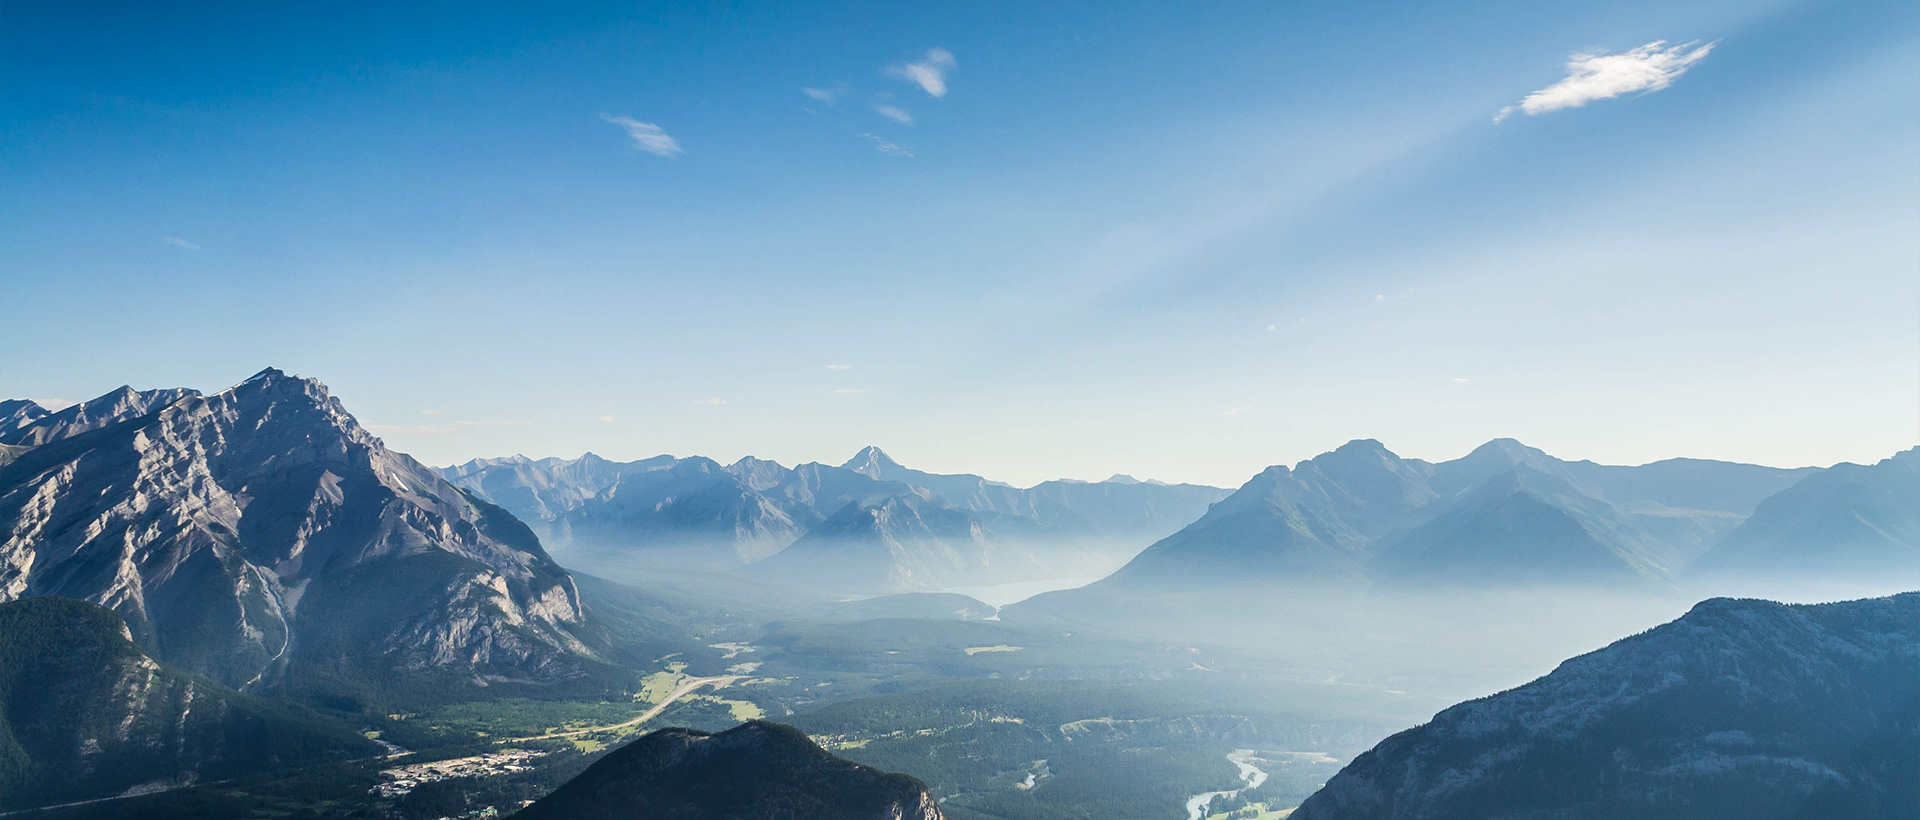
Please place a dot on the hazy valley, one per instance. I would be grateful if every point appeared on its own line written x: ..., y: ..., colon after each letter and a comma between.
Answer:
x: 292, y: 616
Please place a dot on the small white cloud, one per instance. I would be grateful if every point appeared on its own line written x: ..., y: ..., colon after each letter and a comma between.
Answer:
x: 828, y: 95
x: 1379, y: 297
x: 894, y: 114
x: 1234, y: 411
x: 411, y: 429
x: 849, y: 390
x: 54, y: 405
x: 607, y: 418
x: 1597, y: 75
x: 433, y: 412
x: 646, y: 136
x: 708, y: 401
x: 1461, y: 380
x: 839, y: 367
x: 885, y: 147
x: 1272, y: 328
x: 179, y: 243
x: 930, y: 73
x: 465, y: 423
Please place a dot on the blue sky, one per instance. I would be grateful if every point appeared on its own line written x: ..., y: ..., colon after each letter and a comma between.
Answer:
x: 1176, y: 241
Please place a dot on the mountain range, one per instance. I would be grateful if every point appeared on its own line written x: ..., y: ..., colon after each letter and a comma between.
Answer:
x: 1508, y: 514
x: 924, y: 530
x: 1739, y: 710
x: 261, y: 529
x: 754, y: 771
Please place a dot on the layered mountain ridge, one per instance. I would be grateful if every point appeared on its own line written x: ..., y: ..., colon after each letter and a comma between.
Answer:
x: 940, y: 530
x: 1509, y: 514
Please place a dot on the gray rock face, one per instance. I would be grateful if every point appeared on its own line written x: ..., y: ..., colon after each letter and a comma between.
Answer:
x: 243, y: 531
x: 22, y: 425
x: 755, y: 771
x: 1741, y: 709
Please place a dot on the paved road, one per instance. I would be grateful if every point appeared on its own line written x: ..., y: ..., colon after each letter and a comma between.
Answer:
x: 685, y: 686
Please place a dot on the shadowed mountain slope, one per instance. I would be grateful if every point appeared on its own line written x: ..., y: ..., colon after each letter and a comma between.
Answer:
x: 755, y: 771
x: 1739, y: 710
x: 84, y: 713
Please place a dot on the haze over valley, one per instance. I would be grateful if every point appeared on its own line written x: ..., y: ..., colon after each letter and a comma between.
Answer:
x: 985, y: 411
x: 263, y: 549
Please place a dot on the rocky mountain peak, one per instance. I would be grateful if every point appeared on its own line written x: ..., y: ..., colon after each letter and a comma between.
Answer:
x: 223, y: 526
x: 872, y: 462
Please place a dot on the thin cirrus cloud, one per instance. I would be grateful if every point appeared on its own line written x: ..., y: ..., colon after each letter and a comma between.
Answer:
x: 179, y: 243
x: 929, y: 72
x: 608, y: 419
x: 709, y: 401
x: 893, y: 113
x: 885, y: 146
x: 464, y: 423
x: 839, y: 367
x: 1597, y: 75
x: 829, y: 95
x: 646, y: 136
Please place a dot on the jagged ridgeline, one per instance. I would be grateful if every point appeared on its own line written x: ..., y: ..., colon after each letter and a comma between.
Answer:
x: 260, y: 537
x: 868, y: 525
x: 84, y: 713
x: 1739, y: 710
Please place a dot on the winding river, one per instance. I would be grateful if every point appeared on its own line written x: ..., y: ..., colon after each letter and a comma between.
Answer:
x: 1250, y: 775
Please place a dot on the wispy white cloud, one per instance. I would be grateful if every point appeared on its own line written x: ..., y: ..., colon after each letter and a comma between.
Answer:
x: 54, y: 405
x: 849, y: 390
x: 895, y: 114
x: 1234, y: 411
x: 828, y: 95
x: 839, y: 367
x: 646, y: 136
x: 930, y: 72
x: 433, y: 412
x: 884, y: 146
x: 709, y: 401
x: 179, y: 243
x: 1461, y: 380
x: 411, y: 429
x: 465, y: 423
x: 607, y: 418
x: 1597, y: 75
